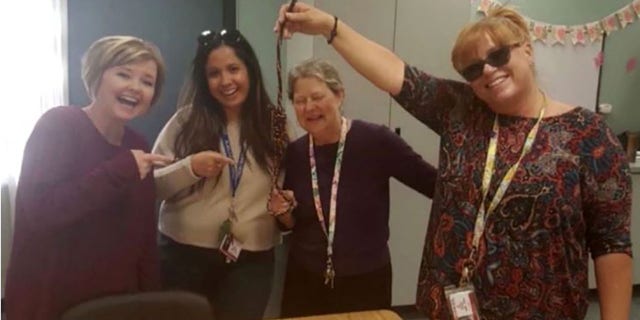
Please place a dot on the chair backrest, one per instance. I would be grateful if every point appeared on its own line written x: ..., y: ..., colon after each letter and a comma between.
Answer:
x: 169, y: 305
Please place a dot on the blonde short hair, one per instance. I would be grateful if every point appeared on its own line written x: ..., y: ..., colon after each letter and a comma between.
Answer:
x: 502, y: 24
x: 112, y: 51
x: 315, y: 68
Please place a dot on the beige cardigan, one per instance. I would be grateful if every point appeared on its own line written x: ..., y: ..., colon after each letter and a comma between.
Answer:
x: 195, y: 218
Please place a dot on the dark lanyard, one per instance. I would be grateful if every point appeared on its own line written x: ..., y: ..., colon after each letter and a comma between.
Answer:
x: 235, y: 171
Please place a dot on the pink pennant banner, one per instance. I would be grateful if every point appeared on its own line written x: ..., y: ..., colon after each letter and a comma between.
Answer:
x: 578, y: 35
x: 538, y: 31
x: 626, y: 16
x: 559, y: 34
x: 552, y: 34
x: 610, y: 23
x: 595, y: 31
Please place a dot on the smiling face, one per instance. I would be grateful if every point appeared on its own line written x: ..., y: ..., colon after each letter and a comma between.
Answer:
x: 500, y: 86
x: 126, y: 91
x: 318, y: 109
x: 227, y: 78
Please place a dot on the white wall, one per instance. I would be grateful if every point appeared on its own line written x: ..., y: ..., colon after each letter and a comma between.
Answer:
x: 376, y: 21
x: 562, y: 74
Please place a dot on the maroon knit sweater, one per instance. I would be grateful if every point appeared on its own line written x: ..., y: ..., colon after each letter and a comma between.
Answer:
x: 84, y: 225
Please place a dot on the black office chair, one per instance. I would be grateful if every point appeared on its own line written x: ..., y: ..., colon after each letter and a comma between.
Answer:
x: 162, y: 305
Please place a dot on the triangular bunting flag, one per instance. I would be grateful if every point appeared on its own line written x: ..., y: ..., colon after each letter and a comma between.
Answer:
x: 610, y: 23
x: 595, y: 31
x: 578, y: 35
x: 484, y: 6
x: 559, y: 34
x: 636, y: 7
x: 626, y: 16
x: 538, y: 31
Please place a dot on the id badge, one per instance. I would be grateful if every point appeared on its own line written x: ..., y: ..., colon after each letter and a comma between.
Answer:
x: 462, y: 302
x: 230, y: 247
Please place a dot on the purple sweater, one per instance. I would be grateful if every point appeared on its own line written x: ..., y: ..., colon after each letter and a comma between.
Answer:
x: 372, y: 155
x: 85, y: 223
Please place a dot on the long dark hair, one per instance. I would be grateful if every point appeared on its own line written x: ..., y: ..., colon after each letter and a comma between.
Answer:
x: 204, y: 123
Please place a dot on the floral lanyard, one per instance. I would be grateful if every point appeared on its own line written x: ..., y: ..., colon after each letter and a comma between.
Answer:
x: 330, y: 271
x: 470, y: 262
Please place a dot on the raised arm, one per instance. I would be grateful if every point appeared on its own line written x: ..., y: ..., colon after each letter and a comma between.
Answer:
x: 376, y: 63
x: 428, y: 98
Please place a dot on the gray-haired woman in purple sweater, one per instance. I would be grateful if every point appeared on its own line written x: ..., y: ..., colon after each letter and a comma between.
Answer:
x: 339, y: 173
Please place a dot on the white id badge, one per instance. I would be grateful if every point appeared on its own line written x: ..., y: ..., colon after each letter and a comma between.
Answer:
x: 230, y: 247
x: 462, y: 302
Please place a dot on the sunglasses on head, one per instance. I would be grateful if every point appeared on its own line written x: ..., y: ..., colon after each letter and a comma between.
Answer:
x: 210, y: 38
x: 496, y: 58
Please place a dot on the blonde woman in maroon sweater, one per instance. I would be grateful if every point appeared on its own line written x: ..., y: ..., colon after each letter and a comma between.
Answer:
x: 85, y: 205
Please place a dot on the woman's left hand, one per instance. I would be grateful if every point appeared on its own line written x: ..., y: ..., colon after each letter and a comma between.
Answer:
x: 281, y: 202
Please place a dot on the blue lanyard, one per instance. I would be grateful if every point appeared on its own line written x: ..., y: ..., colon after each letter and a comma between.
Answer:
x: 235, y: 171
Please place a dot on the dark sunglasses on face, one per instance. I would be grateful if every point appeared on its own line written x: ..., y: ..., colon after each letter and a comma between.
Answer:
x: 209, y: 38
x: 496, y: 58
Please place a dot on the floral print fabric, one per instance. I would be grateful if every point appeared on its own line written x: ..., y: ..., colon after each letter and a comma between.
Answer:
x: 571, y: 196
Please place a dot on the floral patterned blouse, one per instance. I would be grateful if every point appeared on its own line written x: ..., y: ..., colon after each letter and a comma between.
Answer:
x: 571, y: 195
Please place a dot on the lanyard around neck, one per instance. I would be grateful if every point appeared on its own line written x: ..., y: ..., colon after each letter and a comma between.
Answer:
x: 235, y: 171
x: 334, y: 186
x: 489, y: 171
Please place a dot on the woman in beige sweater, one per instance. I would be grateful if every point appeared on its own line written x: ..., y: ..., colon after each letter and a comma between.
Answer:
x: 217, y: 237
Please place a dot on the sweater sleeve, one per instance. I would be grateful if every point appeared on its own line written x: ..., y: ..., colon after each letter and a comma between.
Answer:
x: 606, y: 191
x: 431, y: 100
x: 47, y: 199
x: 406, y: 165
x: 148, y: 265
x: 178, y: 175
x: 149, y: 261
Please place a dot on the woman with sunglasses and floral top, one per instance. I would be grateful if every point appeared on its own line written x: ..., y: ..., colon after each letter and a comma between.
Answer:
x: 528, y: 186
x: 217, y: 237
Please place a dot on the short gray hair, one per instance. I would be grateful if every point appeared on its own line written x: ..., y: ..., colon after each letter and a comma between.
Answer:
x: 320, y: 69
